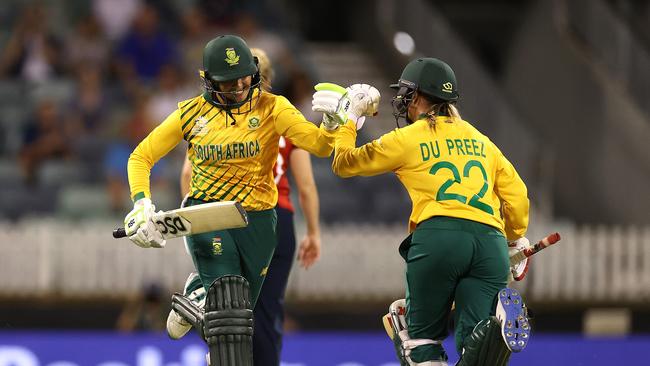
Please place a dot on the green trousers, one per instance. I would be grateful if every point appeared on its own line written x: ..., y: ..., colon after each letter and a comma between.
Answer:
x: 245, y: 251
x: 451, y: 260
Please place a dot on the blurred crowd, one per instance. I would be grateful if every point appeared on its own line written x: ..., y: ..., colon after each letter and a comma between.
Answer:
x: 82, y: 84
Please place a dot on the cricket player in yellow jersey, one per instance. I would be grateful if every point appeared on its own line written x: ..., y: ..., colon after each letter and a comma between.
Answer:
x: 468, y: 200
x: 233, y: 131
x: 268, y: 314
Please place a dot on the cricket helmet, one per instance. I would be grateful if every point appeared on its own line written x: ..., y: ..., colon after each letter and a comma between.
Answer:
x: 227, y: 58
x: 428, y: 76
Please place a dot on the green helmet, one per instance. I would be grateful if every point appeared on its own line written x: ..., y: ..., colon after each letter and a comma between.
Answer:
x: 228, y: 58
x: 428, y: 76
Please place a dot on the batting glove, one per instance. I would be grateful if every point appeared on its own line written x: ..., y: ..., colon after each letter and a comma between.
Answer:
x: 339, y: 104
x: 364, y: 102
x: 331, y: 100
x: 139, y: 227
x: 520, y: 269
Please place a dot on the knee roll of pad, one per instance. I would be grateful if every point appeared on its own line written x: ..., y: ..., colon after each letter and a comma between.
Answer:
x: 228, y: 322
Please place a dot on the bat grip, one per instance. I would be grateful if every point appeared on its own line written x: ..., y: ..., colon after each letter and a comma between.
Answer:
x: 119, y: 233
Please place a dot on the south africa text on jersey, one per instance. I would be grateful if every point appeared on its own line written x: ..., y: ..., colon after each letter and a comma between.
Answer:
x: 236, y: 150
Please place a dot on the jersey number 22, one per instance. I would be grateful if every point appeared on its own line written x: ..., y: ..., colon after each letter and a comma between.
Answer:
x: 475, y: 201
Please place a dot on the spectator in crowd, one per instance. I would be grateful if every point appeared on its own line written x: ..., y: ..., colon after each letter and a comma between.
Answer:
x: 170, y: 87
x: 115, y: 16
x: 117, y: 156
x: 275, y: 46
x: 89, y: 105
x: 87, y: 45
x: 220, y: 13
x: 32, y: 52
x: 195, y: 34
x: 43, y: 139
x: 144, y: 50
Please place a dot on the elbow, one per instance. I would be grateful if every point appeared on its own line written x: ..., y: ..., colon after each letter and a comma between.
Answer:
x: 308, y: 193
x: 344, y: 164
x: 186, y: 175
x: 323, y: 153
x: 343, y: 174
x: 186, y: 180
x: 138, y: 159
x: 340, y: 171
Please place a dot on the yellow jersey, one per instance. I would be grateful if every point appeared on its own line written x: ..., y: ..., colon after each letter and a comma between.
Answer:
x: 232, y: 155
x: 448, y: 169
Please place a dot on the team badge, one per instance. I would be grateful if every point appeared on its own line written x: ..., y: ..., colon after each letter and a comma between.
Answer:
x: 231, y: 57
x: 216, y: 246
x: 447, y: 87
x: 253, y: 123
x: 200, y: 127
x: 265, y: 270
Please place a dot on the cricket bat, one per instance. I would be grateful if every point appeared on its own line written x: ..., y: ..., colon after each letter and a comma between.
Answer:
x: 197, y: 219
x: 525, y: 253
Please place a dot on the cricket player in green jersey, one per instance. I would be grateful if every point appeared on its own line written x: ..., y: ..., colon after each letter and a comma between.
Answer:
x: 233, y: 131
x: 468, y: 201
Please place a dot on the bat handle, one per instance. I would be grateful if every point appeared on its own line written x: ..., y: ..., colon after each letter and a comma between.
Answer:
x: 119, y: 233
x: 553, y: 238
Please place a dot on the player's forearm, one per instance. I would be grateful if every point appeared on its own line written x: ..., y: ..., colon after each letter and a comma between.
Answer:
x: 515, y: 214
x: 316, y: 141
x: 515, y: 206
x: 310, y: 205
x: 156, y: 145
x: 139, y: 170
x: 304, y: 134
x: 367, y: 160
x: 344, y: 163
x: 513, y: 194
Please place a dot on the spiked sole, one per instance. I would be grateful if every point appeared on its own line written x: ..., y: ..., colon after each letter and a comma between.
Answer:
x: 511, y: 313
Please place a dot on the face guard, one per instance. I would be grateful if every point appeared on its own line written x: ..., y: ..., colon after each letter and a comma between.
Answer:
x: 402, y: 100
x: 227, y: 100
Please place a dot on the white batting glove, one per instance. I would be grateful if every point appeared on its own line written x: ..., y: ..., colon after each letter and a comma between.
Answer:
x: 364, y: 101
x: 139, y: 227
x: 520, y: 269
x: 339, y: 105
x: 331, y: 100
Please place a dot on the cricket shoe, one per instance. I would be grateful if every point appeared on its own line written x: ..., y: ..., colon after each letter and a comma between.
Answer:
x: 511, y: 313
x: 193, y: 290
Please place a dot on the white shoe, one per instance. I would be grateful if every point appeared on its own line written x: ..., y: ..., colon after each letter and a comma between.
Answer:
x: 511, y: 313
x: 177, y: 327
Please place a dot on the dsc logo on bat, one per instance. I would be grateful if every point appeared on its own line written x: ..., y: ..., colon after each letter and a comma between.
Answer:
x: 172, y: 225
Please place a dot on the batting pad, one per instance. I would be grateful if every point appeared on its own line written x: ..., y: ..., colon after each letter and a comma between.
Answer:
x: 228, y: 322
x: 485, y: 346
